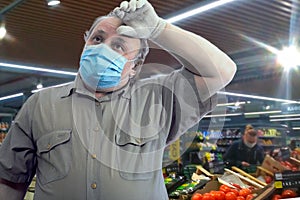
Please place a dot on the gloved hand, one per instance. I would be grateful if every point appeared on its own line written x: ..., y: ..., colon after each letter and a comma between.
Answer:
x: 140, y: 18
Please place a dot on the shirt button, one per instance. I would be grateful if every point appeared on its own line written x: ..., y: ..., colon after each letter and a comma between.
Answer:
x: 94, y: 186
x: 94, y: 156
x: 48, y: 146
x: 96, y: 129
x: 138, y: 140
x: 97, y: 103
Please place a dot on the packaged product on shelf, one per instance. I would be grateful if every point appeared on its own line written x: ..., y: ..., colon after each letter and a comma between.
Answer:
x: 173, y: 181
x: 188, y: 188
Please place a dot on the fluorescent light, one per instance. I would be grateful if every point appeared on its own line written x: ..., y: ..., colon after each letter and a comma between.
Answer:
x: 296, y: 128
x: 231, y: 104
x: 289, y: 57
x: 53, y: 2
x: 199, y: 10
x: 39, y: 69
x: 11, y: 96
x: 259, y: 97
x: 37, y: 90
x: 290, y: 115
x: 2, y: 31
x: 285, y: 119
x: 223, y: 115
x: 39, y: 86
x: 262, y: 112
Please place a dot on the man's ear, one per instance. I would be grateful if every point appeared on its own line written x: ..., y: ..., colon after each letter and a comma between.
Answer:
x: 132, y: 73
x: 138, y: 65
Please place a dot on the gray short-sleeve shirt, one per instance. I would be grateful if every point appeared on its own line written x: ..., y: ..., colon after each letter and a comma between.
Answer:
x: 81, y: 147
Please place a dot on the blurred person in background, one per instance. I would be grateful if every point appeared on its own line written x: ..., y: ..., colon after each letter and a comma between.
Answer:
x: 245, y: 152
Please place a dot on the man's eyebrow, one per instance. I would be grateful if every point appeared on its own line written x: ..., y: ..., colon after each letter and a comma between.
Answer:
x: 101, y: 32
x: 118, y: 39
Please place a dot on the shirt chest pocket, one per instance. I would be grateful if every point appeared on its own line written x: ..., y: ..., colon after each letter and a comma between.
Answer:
x: 54, y: 156
x: 138, y: 158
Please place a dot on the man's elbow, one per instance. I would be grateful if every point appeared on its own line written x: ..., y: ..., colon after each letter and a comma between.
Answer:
x: 228, y: 73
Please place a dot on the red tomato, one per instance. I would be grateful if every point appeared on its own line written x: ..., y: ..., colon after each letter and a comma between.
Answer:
x: 294, y: 169
x: 268, y: 179
x: 197, y: 196
x: 230, y: 196
x: 207, y: 196
x: 287, y: 163
x: 249, y: 197
x: 220, y: 195
x: 240, y: 198
x: 237, y: 186
x: 214, y: 194
x: 235, y: 191
x: 225, y: 188
x: 276, y: 197
x: 244, y: 192
x: 288, y: 194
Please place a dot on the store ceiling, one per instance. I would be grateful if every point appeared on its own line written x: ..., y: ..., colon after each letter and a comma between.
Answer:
x: 52, y: 37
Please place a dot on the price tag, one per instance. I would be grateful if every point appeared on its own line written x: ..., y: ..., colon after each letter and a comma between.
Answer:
x: 175, y: 150
x: 278, y: 184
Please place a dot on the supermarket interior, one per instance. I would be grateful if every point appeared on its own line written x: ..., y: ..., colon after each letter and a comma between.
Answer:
x: 40, y: 48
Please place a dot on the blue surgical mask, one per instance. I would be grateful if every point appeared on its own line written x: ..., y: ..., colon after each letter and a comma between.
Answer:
x: 101, y: 67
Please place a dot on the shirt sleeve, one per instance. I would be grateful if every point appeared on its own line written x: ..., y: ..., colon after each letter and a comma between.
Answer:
x: 188, y: 107
x: 17, y: 153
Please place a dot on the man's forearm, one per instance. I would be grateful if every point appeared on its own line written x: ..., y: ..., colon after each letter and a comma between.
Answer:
x: 12, y: 191
x: 205, y: 58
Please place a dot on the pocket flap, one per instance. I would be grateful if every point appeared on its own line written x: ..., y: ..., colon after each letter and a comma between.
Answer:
x: 49, y: 141
x: 123, y: 139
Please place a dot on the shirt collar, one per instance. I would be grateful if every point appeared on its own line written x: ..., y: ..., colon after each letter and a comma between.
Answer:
x: 78, y: 87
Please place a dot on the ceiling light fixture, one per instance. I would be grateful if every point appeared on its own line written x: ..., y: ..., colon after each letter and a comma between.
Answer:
x: 231, y: 104
x: 2, y: 30
x: 286, y: 119
x: 290, y: 115
x: 223, y: 115
x: 53, y: 2
x: 289, y: 57
x: 37, y: 90
x: 11, y: 96
x: 262, y: 112
x: 39, y: 86
x: 258, y: 97
x: 296, y: 128
x: 198, y: 10
x: 39, y: 69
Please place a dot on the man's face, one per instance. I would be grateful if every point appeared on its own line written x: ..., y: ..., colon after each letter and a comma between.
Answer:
x: 105, y: 32
x: 251, y: 136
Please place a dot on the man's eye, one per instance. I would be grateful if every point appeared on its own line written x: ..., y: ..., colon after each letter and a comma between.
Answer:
x: 98, y: 39
x: 118, y: 47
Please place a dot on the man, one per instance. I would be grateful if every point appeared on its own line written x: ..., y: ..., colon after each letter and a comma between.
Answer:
x: 102, y: 137
x: 245, y: 152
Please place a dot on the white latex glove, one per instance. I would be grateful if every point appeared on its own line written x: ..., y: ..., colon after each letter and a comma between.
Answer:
x: 140, y: 18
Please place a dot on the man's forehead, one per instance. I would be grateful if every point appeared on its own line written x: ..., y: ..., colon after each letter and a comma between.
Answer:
x: 110, y: 21
x: 107, y: 27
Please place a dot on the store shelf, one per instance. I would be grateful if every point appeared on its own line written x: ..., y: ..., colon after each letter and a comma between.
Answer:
x: 274, y: 146
x: 231, y: 137
x: 269, y: 137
